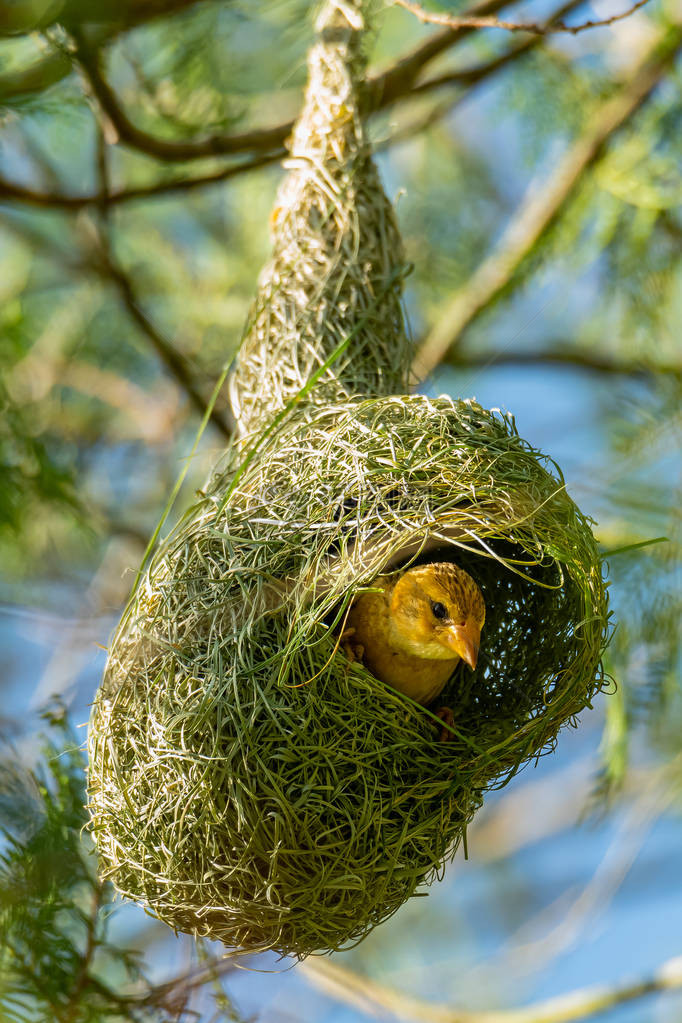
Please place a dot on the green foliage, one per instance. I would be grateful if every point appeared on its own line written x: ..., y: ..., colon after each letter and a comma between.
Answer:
x: 57, y: 959
x: 92, y: 425
x: 53, y: 910
x: 30, y: 474
x: 445, y: 249
x: 646, y: 653
x: 193, y: 256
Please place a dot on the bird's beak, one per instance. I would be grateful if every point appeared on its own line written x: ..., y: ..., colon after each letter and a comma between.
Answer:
x: 465, y: 641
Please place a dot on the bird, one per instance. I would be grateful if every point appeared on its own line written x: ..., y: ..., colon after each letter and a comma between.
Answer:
x: 415, y: 627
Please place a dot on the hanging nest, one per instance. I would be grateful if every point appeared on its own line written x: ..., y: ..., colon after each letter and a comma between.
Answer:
x: 247, y: 781
x: 251, y: 784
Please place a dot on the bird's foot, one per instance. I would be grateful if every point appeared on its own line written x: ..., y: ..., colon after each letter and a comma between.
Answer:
x: 353, y: 651
x: 448, y: 719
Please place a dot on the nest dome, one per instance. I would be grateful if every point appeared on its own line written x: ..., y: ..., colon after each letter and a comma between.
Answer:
x: 247, y: 781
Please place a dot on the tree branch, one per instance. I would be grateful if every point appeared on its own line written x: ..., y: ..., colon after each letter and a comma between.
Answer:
x: 363, y: 993
x: 123, y: 14
x: 539, y: 211
x: 81, y: 980
x: 20, y: 16
x: 174, y: 361
x: 384, y: 89
x: 168, y: 993
x: 9, y: 191
x: 39, y: 75
x: 575, y: 358
x: 381, y: 91
x: 473, y: 75
x: 112, y: 19
x: 537, y: 28
x: 260, y: 140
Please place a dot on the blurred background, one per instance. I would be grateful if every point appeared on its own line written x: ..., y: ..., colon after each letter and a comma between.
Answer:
x: 537, y: 179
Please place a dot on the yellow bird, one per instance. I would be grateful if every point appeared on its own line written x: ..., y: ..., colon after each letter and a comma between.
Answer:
x: 414, y: 632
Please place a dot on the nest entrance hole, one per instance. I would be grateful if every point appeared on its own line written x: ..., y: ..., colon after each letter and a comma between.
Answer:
x: 515, y: 678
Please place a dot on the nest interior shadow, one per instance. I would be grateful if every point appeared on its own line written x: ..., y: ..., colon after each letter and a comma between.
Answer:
x: 531, y: 636
x: 248, y: 782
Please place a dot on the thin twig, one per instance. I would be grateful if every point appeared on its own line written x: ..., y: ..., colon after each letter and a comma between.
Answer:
x: 81, y: 982
x: 174, y: 361
x: 381, y: 91
x: 488, y: 21
x: 367, y: 995
x: 364, y: 993
x: 178, y: 988
x: 9, y: 191
x: 106, y: 22
x: 575, y: 358
x: 399, y: 79
x: 540, y: 209
x: 470, y: 77
x: 479, y: 72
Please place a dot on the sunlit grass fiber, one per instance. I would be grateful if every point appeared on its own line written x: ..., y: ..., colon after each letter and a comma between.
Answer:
x: 248, y: 782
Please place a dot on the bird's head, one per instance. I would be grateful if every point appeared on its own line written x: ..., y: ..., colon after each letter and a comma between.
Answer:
x: 437, y: 612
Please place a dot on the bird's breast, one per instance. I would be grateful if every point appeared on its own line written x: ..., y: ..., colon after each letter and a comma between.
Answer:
x: 420, y: 678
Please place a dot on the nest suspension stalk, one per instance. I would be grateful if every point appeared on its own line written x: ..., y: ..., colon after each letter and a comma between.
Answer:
x: 337, y: 263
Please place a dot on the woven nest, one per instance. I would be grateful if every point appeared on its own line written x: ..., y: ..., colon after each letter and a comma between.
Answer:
x: 247, y: 781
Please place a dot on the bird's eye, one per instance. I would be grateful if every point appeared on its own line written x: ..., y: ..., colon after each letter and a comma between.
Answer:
x: 439, y: 610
